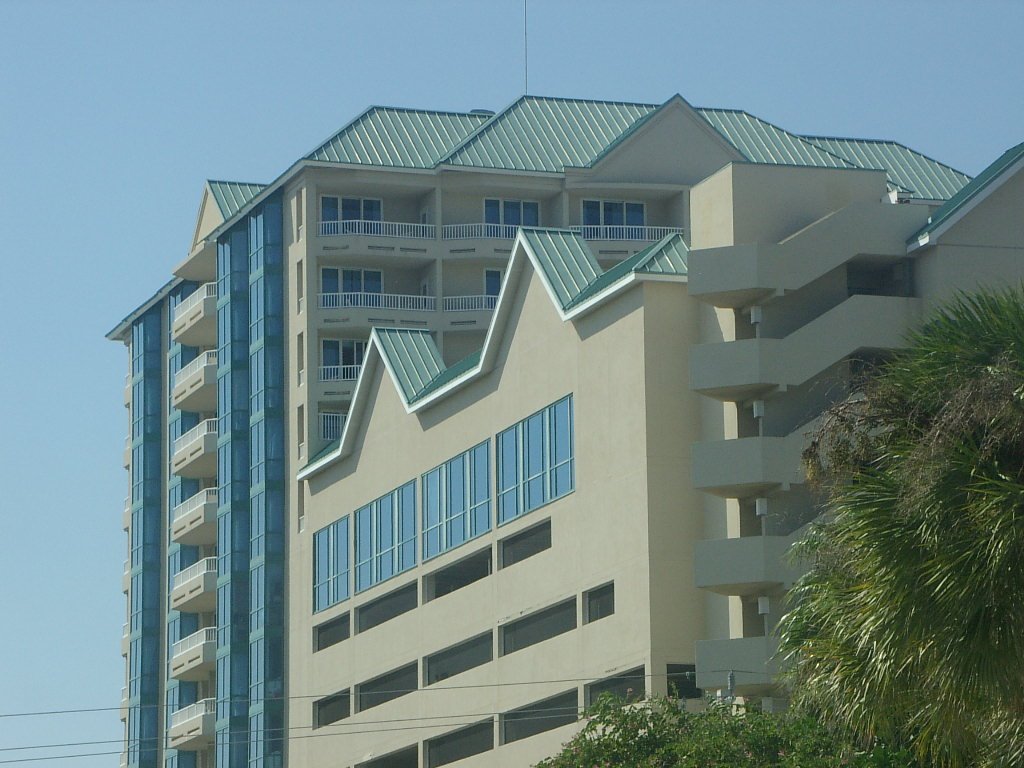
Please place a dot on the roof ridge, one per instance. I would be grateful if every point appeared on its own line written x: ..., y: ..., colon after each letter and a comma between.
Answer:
x: 590, y: 101
x: 889, y: 141
x: 227, y: 181
x: 419, y: 110
x: 478, y: 130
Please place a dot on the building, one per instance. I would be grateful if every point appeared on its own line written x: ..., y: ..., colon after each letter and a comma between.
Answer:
x: 469, y: 417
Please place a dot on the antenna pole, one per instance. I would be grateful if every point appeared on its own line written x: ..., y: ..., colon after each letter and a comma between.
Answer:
x: 526, y: 54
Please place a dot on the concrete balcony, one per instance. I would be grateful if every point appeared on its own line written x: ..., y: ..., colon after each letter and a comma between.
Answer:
x: 740, y: 275
x: 195, y: 319
x: 194, y: 657
x: 750, y: 565
x: 126, y: 641
x: 331, y: 425
x: 201, y: 264
x: 192, y: 726
x: 195, y: 385
x: 364, y: 310
x: 126, y: 515
x: 126, y: 577
x: 467, y: 312
x: 748, y: 466
x: 382, y: 238
x: 194, y: 521
x: 123, y: 710
x: 194, y: 589
x: 127, y: 456
x: 128, y: 391
x: 750, y: 659
x: 739, y: 370
x: 194, y: 454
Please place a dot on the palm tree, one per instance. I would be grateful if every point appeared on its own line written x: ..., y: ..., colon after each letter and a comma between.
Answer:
x: 909, y: 625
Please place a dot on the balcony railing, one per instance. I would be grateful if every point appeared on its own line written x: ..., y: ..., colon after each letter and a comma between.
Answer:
x: 624, y: 232
x: 404, y: 301
x: 206, y: 358
x: 377, y: 229
x: 206, y: 635
x: 192, y: 503
x: 339, y: 372
x: 200, y: 708
x: 196, y: 433
x: 209, y: 290
x: 469, y: 303
x: 331, y: 425
x: 204, y: 566
x: 470, y: 231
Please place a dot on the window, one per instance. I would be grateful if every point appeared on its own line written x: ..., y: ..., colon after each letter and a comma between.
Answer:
x: 382, y: 689
x: 386, y: 607
x: 538, y: 627
x: 526, y: 544
x: 535, y: 460
x: 598, y: 603
x: 539, y: 717
x: 459, y: 658
x: 341, y: 359
x: 386, y: 537
x: 350, y: 287
x: 460, y: 744
x: 350, y: 209
x: 456, y: 501
x: 613, y: 213
x: 330, y: 565
x: 512, y: 213
x: 331, y: 632
x: 331, y: 709
x: 628, y: 686
x: 492, y: 282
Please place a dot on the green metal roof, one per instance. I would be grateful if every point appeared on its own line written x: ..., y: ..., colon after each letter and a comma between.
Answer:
x: 231, y: 196
x: 668, y: 256
x: 120, y: 331
x: 761, y: 142
x: 412, y: 355
x: 919, y: 174
x: 401, y: 138
x: 547, y: 134
x: 971, y: 190
x: 565, y: 259
x: 449, y: 374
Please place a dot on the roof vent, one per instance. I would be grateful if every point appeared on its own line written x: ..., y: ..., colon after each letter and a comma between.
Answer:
x: 481, y: 111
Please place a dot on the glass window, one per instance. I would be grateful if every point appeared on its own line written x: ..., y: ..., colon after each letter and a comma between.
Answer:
x: 330, y: 352
x: 373, y: 280
x: 330, y: 565
x: 591, y: 213
x: 456, y: 501
x: 351, y: 209
x: 371, y: 210
x: 531, y: 214
x: 492, y: 211
x: 328, y: 209
x: 492, y: 282
x: 329, y: 281
x: 386, y: 537
x: 615, y: 213
x: 512, y: 213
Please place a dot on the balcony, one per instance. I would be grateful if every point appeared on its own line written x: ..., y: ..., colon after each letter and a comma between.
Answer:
x: 750, y: 565
x: 193, y: 657
x: 200, y: 264
x: 365, y: 228
x: 126, y: 577
x: 192, y: 727
x: 194, y: 521
x: 331, y: 425
x: 126, y: 515
x: 339, y: 372
x: 624, y: 232
x: 738, y: 370
x: 748, y: 466
x: 750, y: 659
x: 125, y: 640
x: 194, y: 454
x: 469, y: 303
x: 392, y: 301
x: 127, y: 456
x: 194, y: 589
x: 128, y: 391
x: 123, y: 712
x: 195, y: 385
x: 195, y: 319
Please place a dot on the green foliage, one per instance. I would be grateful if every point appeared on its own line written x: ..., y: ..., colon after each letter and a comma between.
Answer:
x: 658, y: 734
x: 907, y: 626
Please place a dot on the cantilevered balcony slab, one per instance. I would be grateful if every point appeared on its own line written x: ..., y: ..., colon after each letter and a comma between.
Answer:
x: 125, y: 640
x: 192, y: 726
x: 194, y: 589
x: 194, y: 454
x: 123, y: 709
x: 194, y: 657
x: 194, y: 322
x: 750, y: 659
x: 748, y: 466
x: 748, y: 565
x: 739, y: 370
x: 194, y: 521
x: 195, y: 385
x: 201, y: 264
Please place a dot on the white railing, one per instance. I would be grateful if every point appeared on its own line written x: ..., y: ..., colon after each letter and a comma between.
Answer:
x: 124, y: 630
x: 624, y: 232
x: 377, y: 229
x: 469, y: 303
x: 339, y: 372
x: 194, y: 571
x: 192, y: 503
x: 206, y: 358
x: 208, y: 427
x: 469, y: 231
x: 200, y: 708
x: 209, y: 290
x: 186, y: 644
x: 331, y: 425
x: 404, y: 301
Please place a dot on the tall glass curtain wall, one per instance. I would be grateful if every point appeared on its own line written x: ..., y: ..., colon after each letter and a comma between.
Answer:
x: 177, y: 693
x: 250, y: 515
x: 145, y: 624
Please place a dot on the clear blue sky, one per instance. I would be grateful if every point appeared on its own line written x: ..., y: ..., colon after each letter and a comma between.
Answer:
x: 113, y: 113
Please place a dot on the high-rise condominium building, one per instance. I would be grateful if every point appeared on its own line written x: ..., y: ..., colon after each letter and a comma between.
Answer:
x: 467, y: 418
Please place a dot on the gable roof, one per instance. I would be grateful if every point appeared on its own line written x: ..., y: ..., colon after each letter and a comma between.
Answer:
x: 231, y: 196
x: 561, y: 259
x: 990, y: 179
x: 908, y: 170
x: 396, y: 137
x: 762, y: 142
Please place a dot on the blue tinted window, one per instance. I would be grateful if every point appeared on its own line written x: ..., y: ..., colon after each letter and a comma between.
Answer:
x: 371, y: 210
x: 386, y: 537
x: 635, y: 214
x: 330, y: 565
x: 456, y: 501
x: 492, y: 282
x: 591, y: 213
x: 351, y: 208
x: 328, y: 209
x: 531, y: 214
x: 492, y: 211
x: 613, y: 213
